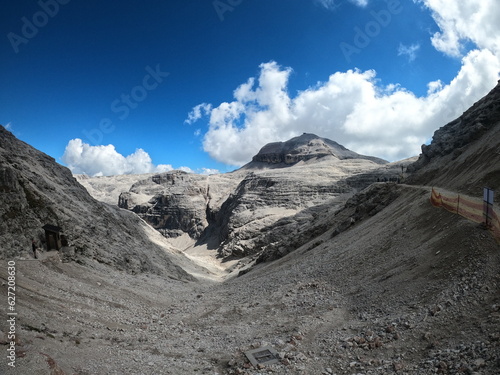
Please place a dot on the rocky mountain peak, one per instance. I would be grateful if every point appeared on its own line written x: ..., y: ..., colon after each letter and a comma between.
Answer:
x: 464, y: 155
x: 303, y: 148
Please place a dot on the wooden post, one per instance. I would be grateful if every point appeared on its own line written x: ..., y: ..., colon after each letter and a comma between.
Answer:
x: 488, y: 198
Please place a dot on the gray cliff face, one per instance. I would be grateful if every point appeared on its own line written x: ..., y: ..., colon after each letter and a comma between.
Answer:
x: 262, y: 199
x: 177, y: 202
x: 231, y: 212
x: 291, y: 233
x: 464, y: 155
x: 272, y: 204
x: 466, y: 129
x: 182, y: 208
x: 35, y: 191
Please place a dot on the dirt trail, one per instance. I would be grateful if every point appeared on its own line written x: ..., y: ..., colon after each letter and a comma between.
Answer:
x: 412, y: 289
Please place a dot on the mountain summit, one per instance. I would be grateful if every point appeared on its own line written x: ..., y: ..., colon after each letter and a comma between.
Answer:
x: 303, y: 148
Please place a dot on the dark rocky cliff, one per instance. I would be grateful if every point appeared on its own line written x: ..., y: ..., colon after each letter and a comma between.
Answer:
x: 35, y: 191
x: 464, y: 155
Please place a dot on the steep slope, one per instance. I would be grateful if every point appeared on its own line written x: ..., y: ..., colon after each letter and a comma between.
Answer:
x: 421, y: 285
x: 407, y: 288
x: 464, y: 155
x: 35, y: 191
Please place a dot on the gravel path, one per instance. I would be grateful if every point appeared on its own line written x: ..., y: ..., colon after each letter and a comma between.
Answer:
x: 411, y: 290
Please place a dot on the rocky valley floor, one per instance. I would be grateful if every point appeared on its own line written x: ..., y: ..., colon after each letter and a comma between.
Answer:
x: 410, y: 290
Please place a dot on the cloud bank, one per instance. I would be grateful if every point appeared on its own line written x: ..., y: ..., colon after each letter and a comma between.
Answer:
x: 82, y: 158
x: 461, y: 22
x: 351, y: 107
x: 334, y: 4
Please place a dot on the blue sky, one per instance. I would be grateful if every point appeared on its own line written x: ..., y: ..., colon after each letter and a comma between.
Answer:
x: 109, y: 88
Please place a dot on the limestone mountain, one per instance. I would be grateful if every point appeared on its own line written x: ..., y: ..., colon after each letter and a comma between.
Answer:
x: 303, y: 148
x: 383, y: 283
x: 36, y: 191
x: 232, y: 212
x: 177, y: 202
x: 464, y: 156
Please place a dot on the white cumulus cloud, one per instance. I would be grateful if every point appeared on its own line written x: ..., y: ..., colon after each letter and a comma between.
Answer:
x: 83, y: 158
x: 198, y: 112
x: 352, y: 107
x: 409, y: 51
x: 460, y: 22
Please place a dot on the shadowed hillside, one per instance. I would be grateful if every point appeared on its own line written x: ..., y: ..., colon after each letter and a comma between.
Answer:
x: 35, y: 191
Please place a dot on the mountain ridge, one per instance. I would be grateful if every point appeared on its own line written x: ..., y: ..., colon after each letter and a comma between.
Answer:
x: 464, y: 154
x: 230, y: 212
x: 302, y: 148
x: 384, y: 283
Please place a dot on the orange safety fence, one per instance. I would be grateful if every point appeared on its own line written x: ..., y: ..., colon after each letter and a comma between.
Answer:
x: 471, y: 208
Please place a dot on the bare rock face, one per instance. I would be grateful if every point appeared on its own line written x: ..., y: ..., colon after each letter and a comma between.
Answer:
x: 232, y: 212
x: 177, y: 202
x: 262, y: 198
x: 290, y: 233
x: 35, y: 191
x: 464, y: 155
x: 271, y: 205
x: 472, y: 125
x: 303, y: 148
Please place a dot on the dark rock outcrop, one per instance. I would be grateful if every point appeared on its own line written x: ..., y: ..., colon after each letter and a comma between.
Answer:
x: 464, y: 155
x: 35, y: 190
